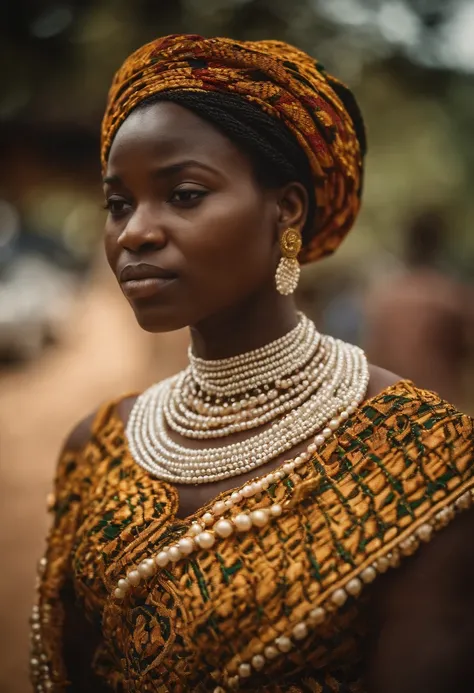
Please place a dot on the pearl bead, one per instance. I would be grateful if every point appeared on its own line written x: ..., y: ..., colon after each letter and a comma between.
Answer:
x: 208, y: 519
x: 196, y: 528
x: 383, y: 564
x: 283, y: 643
x: 248, y: 491
x: 119, y: 594
x: 236, y: 497
x: 242, y: 522
x: 317, y: 615
x: 205, y: 540
x: 174, y: 554
x: 271, y: 652
x: 327, y: 432
x: 333, y: 424
x: 339, y: 597
x: 354, y: 587
x: 219, y: 508
x: 245, y: 670
x: 162, y: 559
x: 134, y: 577
x: 276, y: 510
x: 145, y: 569
x: 258, y: 662
x: 300, y: 631
x: 186, y: 545
x: 319, y: 440
x: 123, y: 584
x: 259, y: 518
x: 223, y: 528
x: 424, y: 532
x: 368, y: 575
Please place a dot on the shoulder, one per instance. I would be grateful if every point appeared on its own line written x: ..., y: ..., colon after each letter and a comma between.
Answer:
x: 82, y: 432
x: 80, y: 435
x: 397, y: 395
x: 380, y: 380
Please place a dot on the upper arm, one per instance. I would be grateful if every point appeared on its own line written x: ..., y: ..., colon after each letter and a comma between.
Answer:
x: 424, y: 618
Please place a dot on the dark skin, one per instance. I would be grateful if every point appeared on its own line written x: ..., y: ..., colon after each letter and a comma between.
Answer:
x: 216, y: 231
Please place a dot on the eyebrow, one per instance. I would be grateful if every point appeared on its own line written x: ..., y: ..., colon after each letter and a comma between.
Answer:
x: 164, y: 171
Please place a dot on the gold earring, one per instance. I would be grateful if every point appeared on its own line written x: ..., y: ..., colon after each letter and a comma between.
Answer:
x: 288, y: 270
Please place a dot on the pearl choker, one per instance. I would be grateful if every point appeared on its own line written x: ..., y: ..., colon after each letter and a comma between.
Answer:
x: 289, y: 391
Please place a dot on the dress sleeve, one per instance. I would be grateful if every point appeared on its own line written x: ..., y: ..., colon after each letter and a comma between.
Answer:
x: 47, y: 663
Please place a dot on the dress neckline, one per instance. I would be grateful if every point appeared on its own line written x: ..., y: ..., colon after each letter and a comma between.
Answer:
x: 401, y: 385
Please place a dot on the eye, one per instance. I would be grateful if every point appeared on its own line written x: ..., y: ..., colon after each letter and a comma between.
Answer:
x: 117, y: 206
x: 187, y: 197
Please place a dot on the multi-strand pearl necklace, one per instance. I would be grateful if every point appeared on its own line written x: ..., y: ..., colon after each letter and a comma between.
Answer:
x: 298, y: 385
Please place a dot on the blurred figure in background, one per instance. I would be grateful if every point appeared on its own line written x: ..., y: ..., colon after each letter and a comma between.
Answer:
x: 418, y: 320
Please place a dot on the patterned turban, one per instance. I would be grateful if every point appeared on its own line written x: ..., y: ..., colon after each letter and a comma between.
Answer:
x: 285, y: 83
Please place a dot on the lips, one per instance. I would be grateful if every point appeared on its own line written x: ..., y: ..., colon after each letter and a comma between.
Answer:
x: 144, y: 271
x: 144, y: 281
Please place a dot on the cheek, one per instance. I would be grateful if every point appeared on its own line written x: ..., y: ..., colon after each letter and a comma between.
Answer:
x: 110, y: 245
x: 235, y: 236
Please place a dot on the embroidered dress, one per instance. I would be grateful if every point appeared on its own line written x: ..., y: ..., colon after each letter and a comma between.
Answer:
x: 280, y: 607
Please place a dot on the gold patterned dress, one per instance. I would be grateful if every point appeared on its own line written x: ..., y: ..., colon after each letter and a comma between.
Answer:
x: 281, y: 607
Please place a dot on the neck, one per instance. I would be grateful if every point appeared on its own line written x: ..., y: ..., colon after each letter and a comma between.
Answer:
x: 258, y: 321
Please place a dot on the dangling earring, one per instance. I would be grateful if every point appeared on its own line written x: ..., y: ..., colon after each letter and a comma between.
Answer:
x: 288, y: 270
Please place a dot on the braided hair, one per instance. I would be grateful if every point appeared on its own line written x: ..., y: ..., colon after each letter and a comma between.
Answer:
x: 276, y: 156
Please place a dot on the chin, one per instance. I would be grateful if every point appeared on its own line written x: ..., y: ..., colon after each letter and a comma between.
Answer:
x: 159, y: 319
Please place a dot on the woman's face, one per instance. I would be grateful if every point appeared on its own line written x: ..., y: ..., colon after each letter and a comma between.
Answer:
x: 189, y: 233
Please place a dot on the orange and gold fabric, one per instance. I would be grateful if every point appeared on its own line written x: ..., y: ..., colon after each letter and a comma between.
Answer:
x: 278, y: 608
x: 284, y: 82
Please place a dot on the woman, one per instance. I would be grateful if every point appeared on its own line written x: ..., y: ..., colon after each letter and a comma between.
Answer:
x: 229, y: 527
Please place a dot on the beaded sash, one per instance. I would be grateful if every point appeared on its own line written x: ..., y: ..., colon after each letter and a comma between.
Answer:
x: 279, y: 607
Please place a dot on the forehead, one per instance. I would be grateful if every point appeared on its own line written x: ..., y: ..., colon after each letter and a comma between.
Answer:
x: 163, y: 130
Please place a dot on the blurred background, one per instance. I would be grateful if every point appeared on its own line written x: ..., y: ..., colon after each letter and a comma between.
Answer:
x: 401, y: 286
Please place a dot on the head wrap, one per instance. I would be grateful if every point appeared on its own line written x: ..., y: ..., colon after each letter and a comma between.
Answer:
x: 285, y: 83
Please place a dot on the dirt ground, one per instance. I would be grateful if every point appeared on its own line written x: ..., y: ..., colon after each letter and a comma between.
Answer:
x: 103, y: 354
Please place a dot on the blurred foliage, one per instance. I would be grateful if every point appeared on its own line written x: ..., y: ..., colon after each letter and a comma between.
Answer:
x: 416, y: 91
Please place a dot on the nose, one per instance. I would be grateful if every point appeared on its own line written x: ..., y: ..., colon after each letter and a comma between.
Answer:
x: 142, y: 232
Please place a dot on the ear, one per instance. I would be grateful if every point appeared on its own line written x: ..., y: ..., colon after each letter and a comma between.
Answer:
x: 292, y: 207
